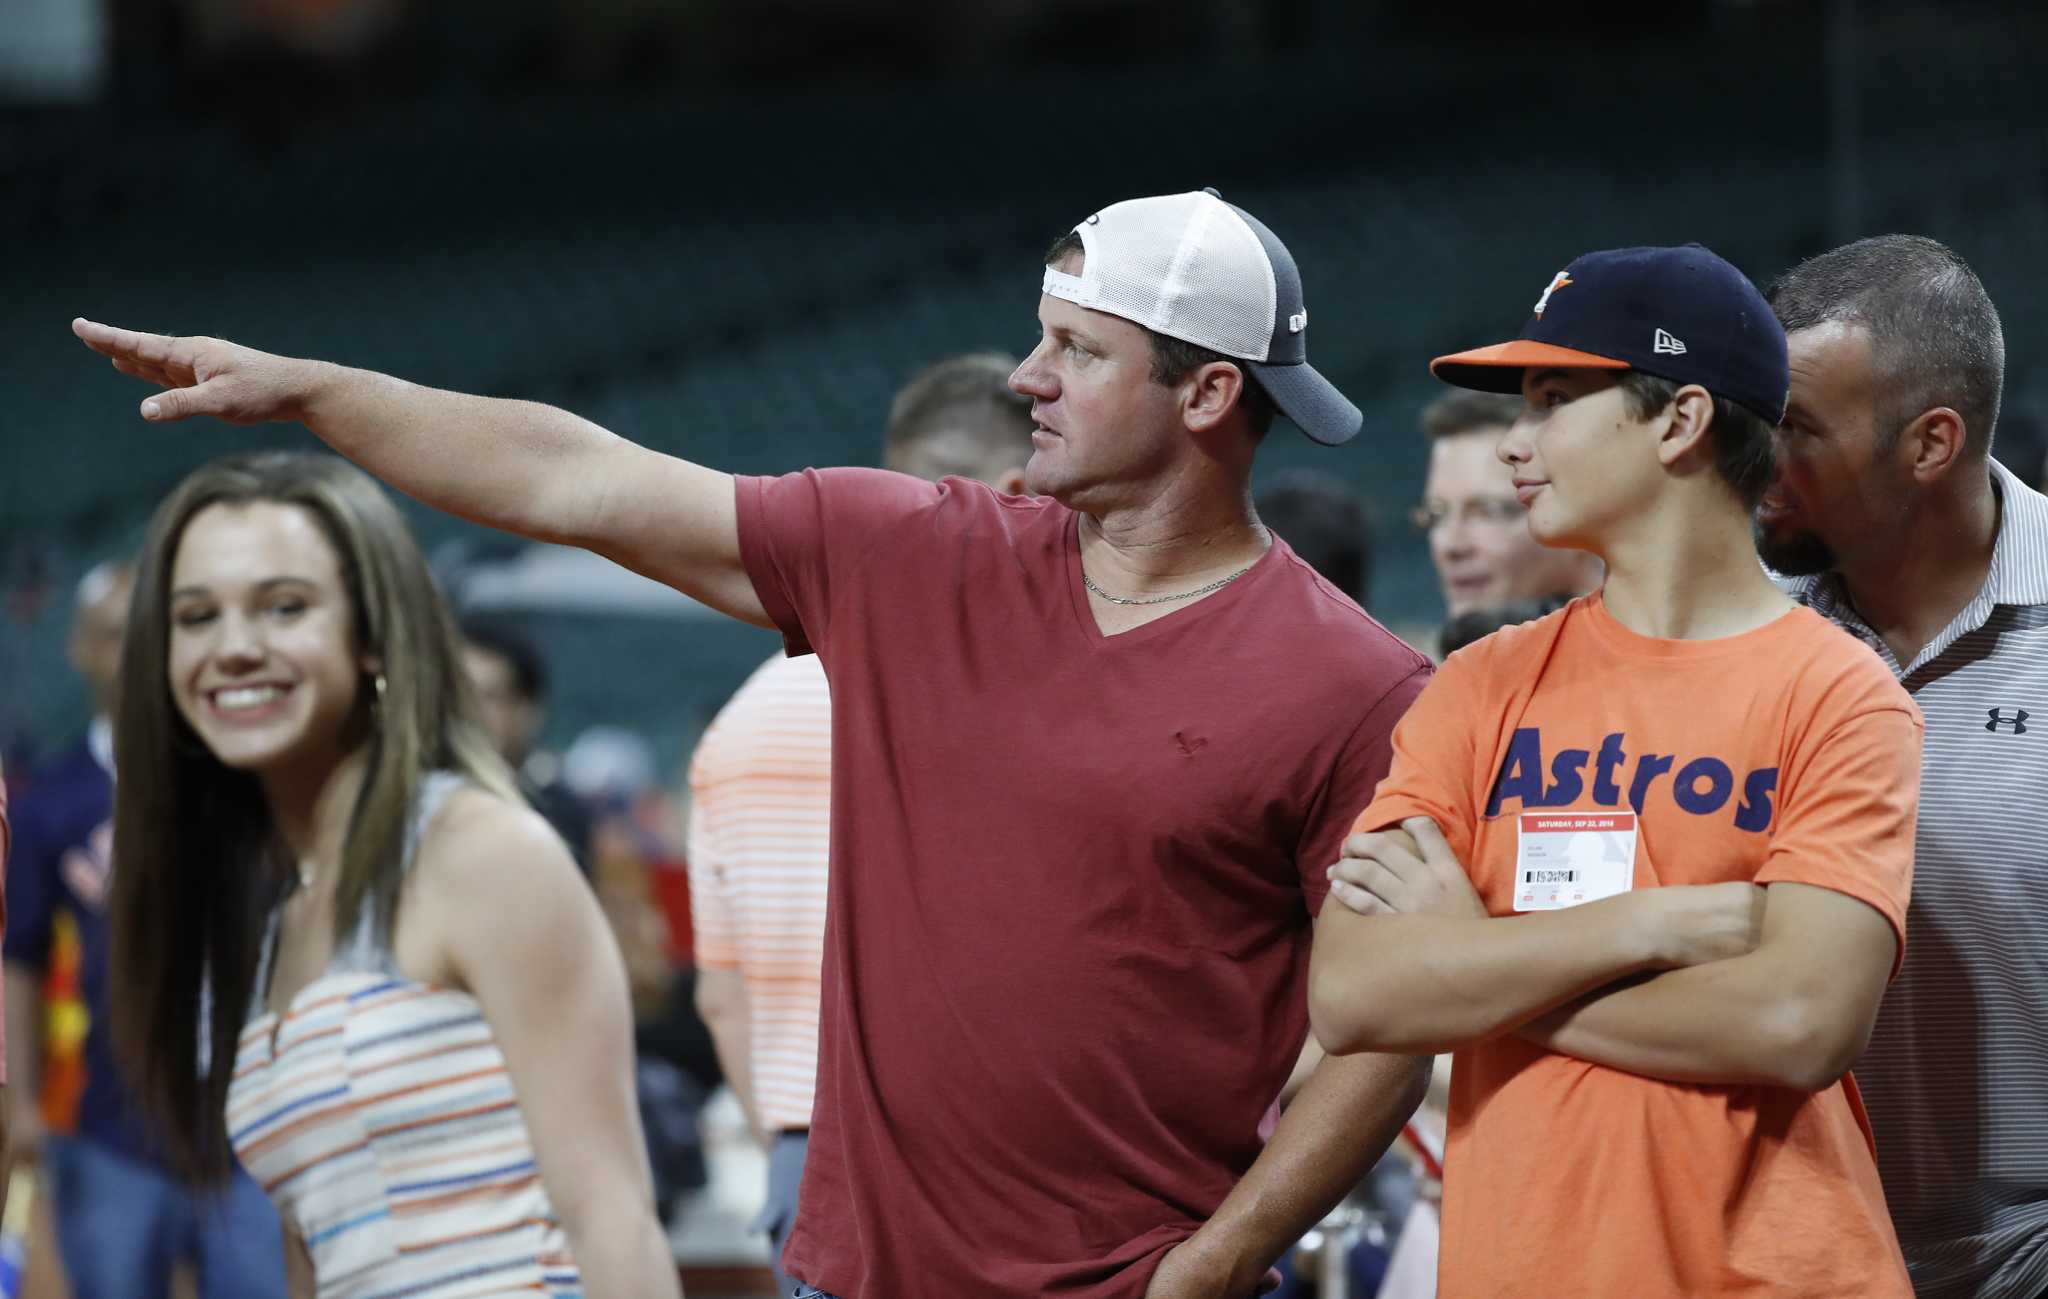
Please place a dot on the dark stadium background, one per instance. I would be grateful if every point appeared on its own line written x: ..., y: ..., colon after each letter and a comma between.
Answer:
x: 731, y: 228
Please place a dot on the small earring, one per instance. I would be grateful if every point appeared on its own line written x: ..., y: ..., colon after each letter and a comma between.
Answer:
x: 378, y: 682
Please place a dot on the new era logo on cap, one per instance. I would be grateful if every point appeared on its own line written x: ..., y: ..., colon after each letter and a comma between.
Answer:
x: 1681, y: 314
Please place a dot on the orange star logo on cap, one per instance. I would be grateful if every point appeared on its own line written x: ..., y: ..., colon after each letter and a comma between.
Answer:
x: 1557, y: 282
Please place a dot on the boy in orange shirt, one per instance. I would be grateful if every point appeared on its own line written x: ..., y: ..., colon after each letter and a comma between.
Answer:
x: 1684, y: 808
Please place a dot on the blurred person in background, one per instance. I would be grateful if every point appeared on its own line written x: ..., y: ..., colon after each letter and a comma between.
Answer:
x: 1067, y: 962
x: 636, y: 837
x: 761, y: 806
x: 510, y: 679
x: 1325, y: 522
x: 1477, y: 624
x: 1890, y: 515
x: 367, y: 970
x: 1478, y: 532
x: 123, y: 1220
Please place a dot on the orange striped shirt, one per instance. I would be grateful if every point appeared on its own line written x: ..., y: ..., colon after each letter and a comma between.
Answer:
x: 760, y: 834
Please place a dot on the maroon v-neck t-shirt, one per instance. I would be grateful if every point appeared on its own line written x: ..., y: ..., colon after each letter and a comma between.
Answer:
x: 1072, y: 879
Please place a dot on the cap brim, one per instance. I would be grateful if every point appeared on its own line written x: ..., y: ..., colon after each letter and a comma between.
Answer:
x: 1311, y: 401
x: 1499, y: 368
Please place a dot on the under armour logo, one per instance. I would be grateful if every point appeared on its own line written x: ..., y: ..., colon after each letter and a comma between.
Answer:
x: 2018, y: 720
x: 1665, y: 344
x: 1557, y: 282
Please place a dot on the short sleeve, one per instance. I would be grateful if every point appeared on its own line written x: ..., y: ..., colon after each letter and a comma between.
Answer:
x: 1360, y: 767
x: 803, y: 534
x: 711, y: 919
x: 1846, y: 813
x: 1431, y: 771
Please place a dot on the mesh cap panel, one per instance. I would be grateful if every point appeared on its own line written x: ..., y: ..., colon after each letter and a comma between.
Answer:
x: 1192, y: 267
x: 1183, y: 265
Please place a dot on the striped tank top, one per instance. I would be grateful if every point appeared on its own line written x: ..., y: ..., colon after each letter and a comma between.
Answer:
x: 379, y: 1115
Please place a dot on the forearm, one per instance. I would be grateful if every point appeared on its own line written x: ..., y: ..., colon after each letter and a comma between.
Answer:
x: 734, y: 1045
x: 299, y: 1281
x: 722, y: 1005
x: 1730, y: 1022
x: 1341, y: 1122
x: 1429, y: 983
x: 1305, y: 1066
x: 1793, y: 1012
x: 622, y: 1251
x: 516, y: 465
x: 24, y: 1034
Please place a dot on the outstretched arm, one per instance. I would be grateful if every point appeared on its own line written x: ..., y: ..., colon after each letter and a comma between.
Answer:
x: 1796, y: 1012
x: 1410, y: 961
x: 516, y: 465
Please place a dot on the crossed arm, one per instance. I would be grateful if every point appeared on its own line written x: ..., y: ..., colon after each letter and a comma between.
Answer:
x: 1776, y: 986
x: 1794, y: 1012
x: 517, y: 465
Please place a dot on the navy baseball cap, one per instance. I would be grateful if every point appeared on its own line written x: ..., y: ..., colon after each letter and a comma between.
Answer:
x: 1681, y: 314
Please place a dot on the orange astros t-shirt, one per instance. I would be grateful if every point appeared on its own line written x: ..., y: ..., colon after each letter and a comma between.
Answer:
x: 1787, y: 753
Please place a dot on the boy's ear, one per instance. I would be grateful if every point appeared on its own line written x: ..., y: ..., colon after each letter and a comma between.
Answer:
x: 1688, y: 418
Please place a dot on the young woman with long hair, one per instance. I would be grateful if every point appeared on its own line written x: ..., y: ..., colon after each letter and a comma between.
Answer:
x: 344, y: 951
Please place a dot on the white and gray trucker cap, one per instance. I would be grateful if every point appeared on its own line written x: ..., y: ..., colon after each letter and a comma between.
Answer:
x: 1207, y: 272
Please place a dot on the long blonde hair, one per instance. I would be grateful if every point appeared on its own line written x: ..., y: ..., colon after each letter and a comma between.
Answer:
x: 197, y: 867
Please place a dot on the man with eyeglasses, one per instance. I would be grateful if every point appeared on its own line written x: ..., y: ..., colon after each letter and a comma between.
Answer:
x: 1478, y: 532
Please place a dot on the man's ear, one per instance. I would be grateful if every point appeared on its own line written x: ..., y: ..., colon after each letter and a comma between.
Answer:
x: 1933, y: 443
x: 1689, y: 416
x: 1213, y: 391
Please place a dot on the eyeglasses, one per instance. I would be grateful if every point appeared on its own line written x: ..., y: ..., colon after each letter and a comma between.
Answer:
x: 1493, y: 511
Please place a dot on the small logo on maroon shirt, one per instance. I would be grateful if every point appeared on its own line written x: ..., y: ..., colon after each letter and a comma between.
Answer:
x: 1188, y: 743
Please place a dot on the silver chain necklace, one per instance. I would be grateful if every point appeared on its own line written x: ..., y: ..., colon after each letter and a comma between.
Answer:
x: 1217, y: 585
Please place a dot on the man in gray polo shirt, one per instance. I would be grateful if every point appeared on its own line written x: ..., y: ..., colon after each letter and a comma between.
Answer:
x: 1889, y: 517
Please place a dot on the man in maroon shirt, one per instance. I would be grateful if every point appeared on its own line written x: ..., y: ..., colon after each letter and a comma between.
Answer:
x: 1092, y: 754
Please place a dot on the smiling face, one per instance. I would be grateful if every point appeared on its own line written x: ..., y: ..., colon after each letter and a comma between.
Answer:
x: 1103, y: 423
x: 1833, y: 493
x: 1573, y: 460
x: 262, y: 657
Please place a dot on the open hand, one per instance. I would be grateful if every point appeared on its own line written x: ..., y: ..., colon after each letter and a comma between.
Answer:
x: 1406, y: 871
x: 205, y: 376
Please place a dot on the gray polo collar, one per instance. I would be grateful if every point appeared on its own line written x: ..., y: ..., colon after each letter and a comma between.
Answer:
x: 2018, y: 576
